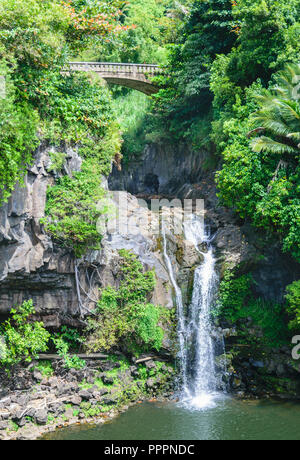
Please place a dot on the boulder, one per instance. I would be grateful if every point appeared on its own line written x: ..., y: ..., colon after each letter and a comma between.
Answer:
x: 85, y: 395
x: 75, y: 400
x: 150, y: 365
x: 41, y: 417
x: 107, y: 380
x: 37, y: 375
x: 150, y: 384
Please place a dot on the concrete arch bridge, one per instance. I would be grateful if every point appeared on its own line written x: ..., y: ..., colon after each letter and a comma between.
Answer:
x: 134, y: 76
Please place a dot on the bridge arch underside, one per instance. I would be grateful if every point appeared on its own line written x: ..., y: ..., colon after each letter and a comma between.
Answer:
x: 139, y: 84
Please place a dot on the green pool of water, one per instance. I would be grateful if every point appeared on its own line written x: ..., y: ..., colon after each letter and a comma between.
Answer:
x: 229, y: 419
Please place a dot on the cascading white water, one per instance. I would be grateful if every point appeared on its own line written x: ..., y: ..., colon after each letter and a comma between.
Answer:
x: 196, y: 355
x: 204, y: 384
x: 182, y: 355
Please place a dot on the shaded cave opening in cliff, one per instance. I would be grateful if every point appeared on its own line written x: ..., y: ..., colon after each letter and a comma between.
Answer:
x: 151, y: 183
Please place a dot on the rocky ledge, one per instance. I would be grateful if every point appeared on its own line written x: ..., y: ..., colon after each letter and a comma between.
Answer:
x: 254, y: 370
x: 32, y: 404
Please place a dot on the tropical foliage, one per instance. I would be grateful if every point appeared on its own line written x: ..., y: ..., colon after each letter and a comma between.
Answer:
x: 23, y: 339
x: 125, y: 317
x: 293, y: 300
x: 149, y: 28
x: 261, y: 178
x: 279, y: 115
x: 186, y: 97
x: 230, y: 86
x: 238, y: 305
x: 72, y: 209
x: 227, y: 89
x: 36, y: 41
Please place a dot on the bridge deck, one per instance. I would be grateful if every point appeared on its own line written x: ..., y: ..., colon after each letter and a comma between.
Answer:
x: 115, y: 67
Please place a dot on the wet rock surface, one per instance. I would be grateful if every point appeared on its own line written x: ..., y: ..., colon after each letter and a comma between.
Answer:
x: 32, y: 266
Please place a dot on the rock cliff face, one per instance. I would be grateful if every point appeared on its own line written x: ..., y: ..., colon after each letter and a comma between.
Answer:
x: 64, y: 290
x: 179, y: 172
x: 161, y: 170
x: 30, y: 264
x: 33, y: 266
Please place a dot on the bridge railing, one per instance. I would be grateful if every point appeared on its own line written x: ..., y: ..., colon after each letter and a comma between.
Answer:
x: 112, y: 67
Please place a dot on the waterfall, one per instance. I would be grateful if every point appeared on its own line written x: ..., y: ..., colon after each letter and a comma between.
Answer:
x: 195, y: 330
x: 182, y: 355
x: 204, y: 384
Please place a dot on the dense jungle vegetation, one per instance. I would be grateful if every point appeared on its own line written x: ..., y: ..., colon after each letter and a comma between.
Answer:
x: 230, y: 87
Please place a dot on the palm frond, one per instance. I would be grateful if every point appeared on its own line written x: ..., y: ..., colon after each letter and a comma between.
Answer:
x: 279, y: 115
x: 277, y: 127
x: 290, y: 111
x: 287, y: 81
x: 266, y: 144
x: 294, y: 136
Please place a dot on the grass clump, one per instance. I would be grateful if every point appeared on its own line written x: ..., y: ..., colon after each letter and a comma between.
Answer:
x: 45, y: 368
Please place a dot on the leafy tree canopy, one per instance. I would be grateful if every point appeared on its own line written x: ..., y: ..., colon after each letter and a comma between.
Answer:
x: 37, y: 38
x: 260, y: 178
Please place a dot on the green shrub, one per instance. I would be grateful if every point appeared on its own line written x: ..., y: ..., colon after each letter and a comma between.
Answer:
x: 234, y: 294
x: 72, y: 209
x: 37, y: 39
x: 131, y: 110
x: 124, y: 314
x: 147, y: 329
x: 62, y: 347
x: 45, y: 368
x: 293, y: 300
x: 23, y: 339
x: 81, y: 112
x: 57, y: 161
x: 72, y: 337
x: 18, y: 125
x: 271, y: 317
x: 260, y: 179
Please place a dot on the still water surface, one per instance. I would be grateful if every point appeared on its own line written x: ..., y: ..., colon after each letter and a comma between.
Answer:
x: 228, y: 419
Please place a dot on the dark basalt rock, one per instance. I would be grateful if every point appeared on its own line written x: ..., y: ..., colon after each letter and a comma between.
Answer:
x: 107, y: 380
x: 85, y: 395
x: 31, y: 266
x: 41, y: 417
